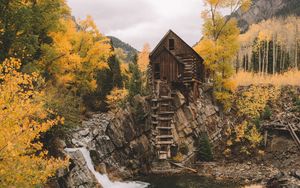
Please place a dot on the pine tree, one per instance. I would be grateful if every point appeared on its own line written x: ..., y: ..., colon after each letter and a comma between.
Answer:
x: 114, y: 65
x: 135, y: 82
x: 25, y: 26
x: 204, y: 148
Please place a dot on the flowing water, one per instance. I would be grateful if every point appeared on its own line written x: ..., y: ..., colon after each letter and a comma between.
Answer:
x: 103, y: 178
x: 185, y: 181
x: 154, y: 181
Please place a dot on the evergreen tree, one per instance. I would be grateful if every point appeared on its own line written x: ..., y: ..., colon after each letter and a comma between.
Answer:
x: 204, y: 148
x: 25, y: 26
x: 114, y: 65
x: 135, y: 82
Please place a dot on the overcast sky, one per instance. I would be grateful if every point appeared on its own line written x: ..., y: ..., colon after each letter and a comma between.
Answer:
x: 139, y: 21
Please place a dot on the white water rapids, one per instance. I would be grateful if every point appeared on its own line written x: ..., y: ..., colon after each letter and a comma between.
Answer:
x: 103, y: 178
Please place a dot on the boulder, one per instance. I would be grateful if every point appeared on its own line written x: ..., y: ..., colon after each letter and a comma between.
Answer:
x: 188, y: 112
x: 101, y: 168
x: 296, y: 173
x: 104, y: 146
x: 210, y: 110
x: 84, y: 132
x: 79, y: 175
x: 187, y: 131
x: 179, y: 99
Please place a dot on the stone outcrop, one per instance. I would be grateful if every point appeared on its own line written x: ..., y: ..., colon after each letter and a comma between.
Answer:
x: 118, y: 145
x: 121, y: 144
x: 265, y: 9
x: 200, y: 116
x: 77, y: 174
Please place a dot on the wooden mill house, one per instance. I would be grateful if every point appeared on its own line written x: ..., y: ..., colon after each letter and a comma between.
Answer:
x: 174, y: 65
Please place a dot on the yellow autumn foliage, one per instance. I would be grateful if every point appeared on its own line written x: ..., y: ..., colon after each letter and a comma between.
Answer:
x: 254, y: 100
x: 219, y: 46
x: 23, y: 117
x: 291, y: 77
x: 116, y: 98
x: 75, y: 55
x: 245, y: 135
x: 143, y: 58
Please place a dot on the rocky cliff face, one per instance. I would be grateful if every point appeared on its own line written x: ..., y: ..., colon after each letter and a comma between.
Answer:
x: 118, y: 146
x: 192, y: 120
x: 265, y: 9
x: 122, y: 146
x: 121, y: 143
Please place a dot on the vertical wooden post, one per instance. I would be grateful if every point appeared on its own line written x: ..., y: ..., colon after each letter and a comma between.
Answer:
x: 265, y: 138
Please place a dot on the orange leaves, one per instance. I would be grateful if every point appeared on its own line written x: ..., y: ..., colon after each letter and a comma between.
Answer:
x: 76, y: 55
x: 230, y: 85
x: 245, y: 5
x: 116, y: 98
x: 219, y: 46
x: 22, y: 119
x: 291, y: 77
x: 143, y: 58
x: 253, y: 101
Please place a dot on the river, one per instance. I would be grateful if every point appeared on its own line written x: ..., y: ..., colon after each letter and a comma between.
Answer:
x: 155, y: 181
x: 184, y: 181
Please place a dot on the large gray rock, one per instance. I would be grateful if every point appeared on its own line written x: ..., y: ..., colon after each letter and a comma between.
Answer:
x: 79, y: 176
x: 104, y: 146
x: 260, y: 10
x: 117, y: 145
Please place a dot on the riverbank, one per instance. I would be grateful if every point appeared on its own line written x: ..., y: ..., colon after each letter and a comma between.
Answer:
x: 231, y: 174
x: 242, y: 173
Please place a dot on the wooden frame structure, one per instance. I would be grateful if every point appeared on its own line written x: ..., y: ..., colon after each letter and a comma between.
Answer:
x: 174, y: 65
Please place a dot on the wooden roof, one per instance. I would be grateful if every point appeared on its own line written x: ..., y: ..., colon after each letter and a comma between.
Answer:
x: 155, y: 50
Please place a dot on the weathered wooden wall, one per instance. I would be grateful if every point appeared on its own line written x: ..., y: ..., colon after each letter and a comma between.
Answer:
x: 170, y: 68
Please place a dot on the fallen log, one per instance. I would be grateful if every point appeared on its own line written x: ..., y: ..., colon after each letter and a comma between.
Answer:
x: 182, y: 166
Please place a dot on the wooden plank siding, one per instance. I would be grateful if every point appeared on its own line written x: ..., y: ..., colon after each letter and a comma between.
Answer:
x: 170, y: 61
x: 170, y: 68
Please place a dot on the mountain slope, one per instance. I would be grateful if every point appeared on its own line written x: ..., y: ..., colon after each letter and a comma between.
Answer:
x: 128, y: 50
x: 265, y: 9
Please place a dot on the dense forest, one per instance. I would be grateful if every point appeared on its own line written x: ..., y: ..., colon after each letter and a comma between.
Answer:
x: 55, y: 70
x: 129, y: 51
x: 270, y: 46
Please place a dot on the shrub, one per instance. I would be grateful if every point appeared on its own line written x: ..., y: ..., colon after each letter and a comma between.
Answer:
x: 138, y: 112
x: 178, y: 157
x: 184, y: 149
x: 267, y: 113
x: 244, y: 136
x: 116, y: 98
x: 204, y: 149
x: 253, y: 101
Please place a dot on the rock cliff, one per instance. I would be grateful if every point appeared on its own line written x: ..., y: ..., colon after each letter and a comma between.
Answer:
x: 266, y: 9
x: 121, y: 145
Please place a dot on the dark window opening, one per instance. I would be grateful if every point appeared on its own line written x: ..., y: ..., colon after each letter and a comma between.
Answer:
x: 156, y: 71
x: 171, y: 44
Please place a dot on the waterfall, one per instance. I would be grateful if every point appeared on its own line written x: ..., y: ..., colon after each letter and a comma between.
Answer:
x: 103, y: 178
